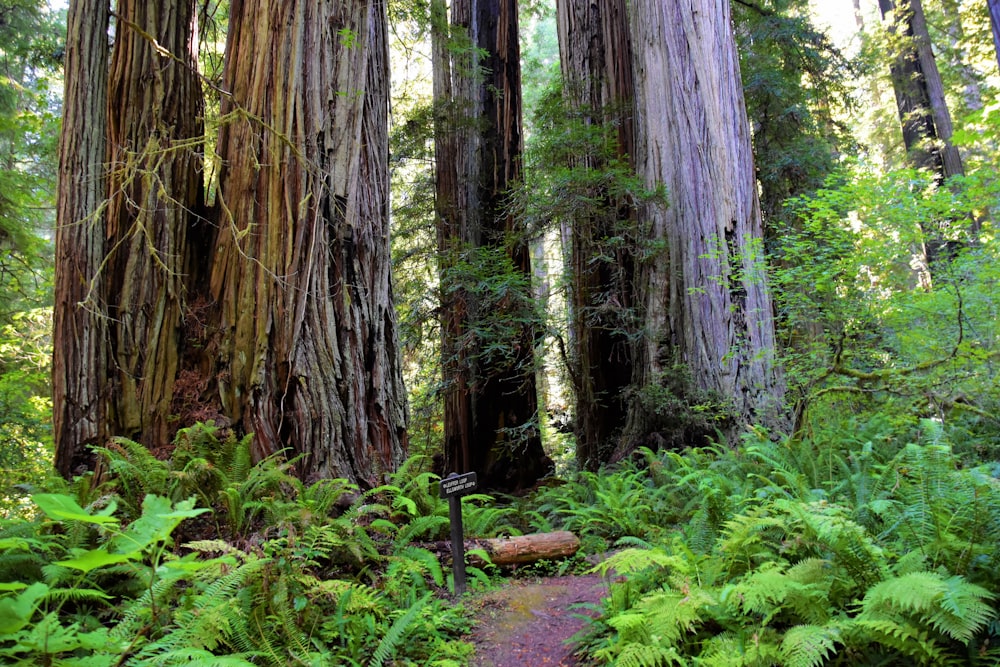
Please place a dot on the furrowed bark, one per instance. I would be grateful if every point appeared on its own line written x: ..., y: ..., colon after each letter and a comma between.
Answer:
x: 309, y: 353
x: 155, y: 134
x: 490, y: 399
x: 706, y: 301
x: 78, y: 328
x: 596, y: 60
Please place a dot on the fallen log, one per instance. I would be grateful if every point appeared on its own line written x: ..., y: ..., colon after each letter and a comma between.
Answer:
x: 520, y: 549
x: 517, y: 549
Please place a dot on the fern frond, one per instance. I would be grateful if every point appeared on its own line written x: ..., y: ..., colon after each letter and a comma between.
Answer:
x: 633, y: 560
x: 394, y: 635
x: 413, y: 564
x: 809, y: 645
x: 429, y: 527
x: 205, y: 621
x: 78, y: 594
x: 905, y: 638
x: 136, y: 472
x: 952, y: 605
x: 962, y: 609
x: 645, y: 655
x: 196, y: 657
x: 325, y: 494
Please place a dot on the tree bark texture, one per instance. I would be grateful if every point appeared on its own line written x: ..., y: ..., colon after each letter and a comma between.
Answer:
x: 924, y: 115
x: 455, y: 219
x: 78, y: 328
x: 596, y: 61
x: 155, y: 137
x: 519, y: 549
x: 923, y: 111
x: 309, y: 358
x: 490, y: 399
x: 705, y: 296
x: 272, y: 310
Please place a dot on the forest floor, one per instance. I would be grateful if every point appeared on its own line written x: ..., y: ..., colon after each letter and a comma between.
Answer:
x: 529, y: 622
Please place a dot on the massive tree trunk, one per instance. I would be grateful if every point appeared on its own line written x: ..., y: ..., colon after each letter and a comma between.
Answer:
x: 596, y: 60
x: 452, y: 132
x: 78, y: 365
x: 274, y: 317
x: 490, y: 392
x: 309, y: 350
x: 707, y: 308
x: 155, y: 136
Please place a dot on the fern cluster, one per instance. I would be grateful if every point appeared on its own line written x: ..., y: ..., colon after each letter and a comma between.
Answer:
x: 873, y: 547
x: 317, y: 574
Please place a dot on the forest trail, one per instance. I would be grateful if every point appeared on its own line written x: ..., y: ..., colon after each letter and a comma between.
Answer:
x: 528, y: 622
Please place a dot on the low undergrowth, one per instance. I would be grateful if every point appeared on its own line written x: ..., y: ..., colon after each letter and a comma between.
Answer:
x: 873, y: 545
x: 872, y: 542
x: 206, y: 559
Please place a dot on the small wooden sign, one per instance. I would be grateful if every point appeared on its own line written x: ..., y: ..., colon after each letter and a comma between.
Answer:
x: 453, y: 487
x: 457, y: 485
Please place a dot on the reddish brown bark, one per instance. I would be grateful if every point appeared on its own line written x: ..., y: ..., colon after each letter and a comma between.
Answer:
x: 275, y: 317
x: 923, y: 112
x: 78, y: 328
x: 596, y: 60
x: 155, y: 136
x: 309, y: 357
x: 490, y: 399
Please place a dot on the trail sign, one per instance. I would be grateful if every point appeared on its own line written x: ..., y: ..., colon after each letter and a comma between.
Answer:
x: 453, y: 487
x: 457, y: 485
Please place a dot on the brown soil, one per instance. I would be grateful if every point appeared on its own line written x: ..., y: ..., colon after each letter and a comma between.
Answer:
x: 529, y: 622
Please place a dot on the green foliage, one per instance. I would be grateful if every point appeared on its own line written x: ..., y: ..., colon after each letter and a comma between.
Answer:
x: 25, y: 408
x: 794, y: 81
x: 207, y: 462
x: 876, y: 331
x: 328, y: 582
x: 30, y: 60
x: 864, y: 545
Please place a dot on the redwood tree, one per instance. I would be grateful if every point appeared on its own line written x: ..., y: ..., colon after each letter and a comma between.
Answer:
x: 78, y: 334
x: 923, y: 110
x: 596, y: 62
x: 707, y: 309
x: 155, y: 131
x: 271, y: 311
x: 490, y: 419
x: 919, y: 91
x: 309, y: 354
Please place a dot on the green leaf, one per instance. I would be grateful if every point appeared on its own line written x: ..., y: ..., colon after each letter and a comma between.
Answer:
x: 16, y: 612
x: 61, y: 507
x: 158, y: 520
x: 94, y: 558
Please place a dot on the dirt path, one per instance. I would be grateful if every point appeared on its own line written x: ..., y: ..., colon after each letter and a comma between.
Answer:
x: 527, y: 623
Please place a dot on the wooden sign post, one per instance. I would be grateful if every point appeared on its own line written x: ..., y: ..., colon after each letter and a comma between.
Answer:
x: 453, y: 487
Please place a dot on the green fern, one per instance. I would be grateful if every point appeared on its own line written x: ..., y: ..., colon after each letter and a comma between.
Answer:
x: 644, y: 655
x: 397, y: 631
x: 950, y: 605
x: 194, y: 657
x: 413, y: 565
x: 135, y: 473
x: 810, y: 645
